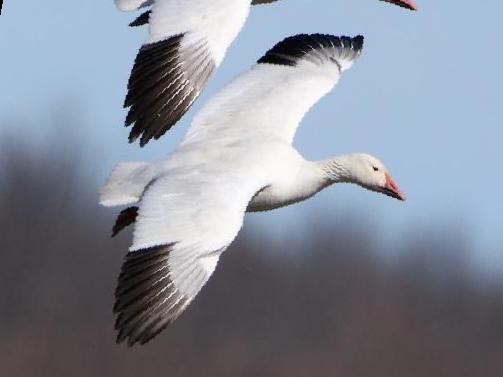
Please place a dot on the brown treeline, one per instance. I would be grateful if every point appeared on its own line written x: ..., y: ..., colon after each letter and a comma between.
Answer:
x: 328, y: 306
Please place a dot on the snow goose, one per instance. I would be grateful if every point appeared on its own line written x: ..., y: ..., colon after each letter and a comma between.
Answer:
x: 188, y: 40
x: 236, y: 157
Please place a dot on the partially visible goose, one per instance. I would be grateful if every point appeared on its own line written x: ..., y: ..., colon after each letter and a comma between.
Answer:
x: 237, y: 157
x: 188, y: 40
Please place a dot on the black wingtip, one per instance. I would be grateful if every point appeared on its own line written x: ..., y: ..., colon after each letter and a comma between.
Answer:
x: 141, y: 20
x: 146, y: 299
x: 292, y: 49
x: 145, y: 139
x: 357, y: 42
x: 167, y: 77
x: 262, y: 2
x: 124, y: 219
x: 407, y: 4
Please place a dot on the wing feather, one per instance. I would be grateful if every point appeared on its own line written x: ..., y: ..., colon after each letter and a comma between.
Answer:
x: 184, y: 222
x: 141, y: 20
x: 187, y: 42
x: 271, y: 99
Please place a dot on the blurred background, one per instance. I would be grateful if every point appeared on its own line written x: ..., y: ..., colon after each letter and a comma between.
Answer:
x: 348, y: 283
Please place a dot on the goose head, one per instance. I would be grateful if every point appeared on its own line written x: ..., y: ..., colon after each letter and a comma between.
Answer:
x: 370, y: 173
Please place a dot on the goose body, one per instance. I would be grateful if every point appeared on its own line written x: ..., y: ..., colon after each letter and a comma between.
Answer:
x: 237, y: 156
x: 187, y: 42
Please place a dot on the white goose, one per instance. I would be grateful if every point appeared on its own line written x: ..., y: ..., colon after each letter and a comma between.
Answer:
x: 188, y: 40
x: 237, y: 157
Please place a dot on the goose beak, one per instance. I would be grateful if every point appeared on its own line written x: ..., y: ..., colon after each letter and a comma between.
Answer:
x: 409, y: 4
x: 391, y: 189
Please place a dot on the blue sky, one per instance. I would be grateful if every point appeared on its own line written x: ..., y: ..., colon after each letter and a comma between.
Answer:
x: 425, y: 97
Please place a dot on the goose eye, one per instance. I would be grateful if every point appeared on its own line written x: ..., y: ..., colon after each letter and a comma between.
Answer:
x: 375, y: 168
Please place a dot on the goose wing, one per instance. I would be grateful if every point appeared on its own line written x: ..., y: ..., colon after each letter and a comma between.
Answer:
x: 270, y: 100
x: 185, y: 221
x: 187, y: 42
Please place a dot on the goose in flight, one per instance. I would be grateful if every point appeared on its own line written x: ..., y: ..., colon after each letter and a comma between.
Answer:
x: 187, y: 41
x: 236, y: 157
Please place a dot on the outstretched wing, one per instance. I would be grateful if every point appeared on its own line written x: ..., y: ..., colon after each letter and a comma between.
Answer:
x: 271, y: 99
x: 185, y: 221
x: 187, y: 42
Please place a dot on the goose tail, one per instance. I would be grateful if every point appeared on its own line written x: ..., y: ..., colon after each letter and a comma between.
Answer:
x: 126, y: 184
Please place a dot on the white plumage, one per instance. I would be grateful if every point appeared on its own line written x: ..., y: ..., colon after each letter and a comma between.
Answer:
x: 218, y: 22
x: 237, y: 156
x: 187, y: 42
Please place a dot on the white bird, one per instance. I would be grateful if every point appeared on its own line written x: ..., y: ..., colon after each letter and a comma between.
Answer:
x: 236, y: 157
x: 188, y: 40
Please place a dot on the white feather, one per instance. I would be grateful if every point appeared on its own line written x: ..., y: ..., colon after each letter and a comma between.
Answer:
x: 126, y: 184
x: 217, y: 22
